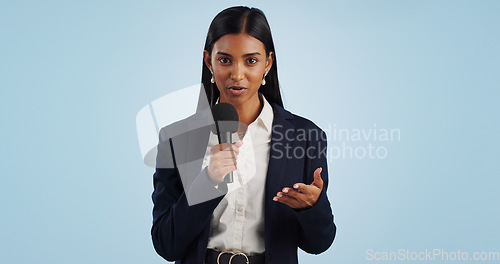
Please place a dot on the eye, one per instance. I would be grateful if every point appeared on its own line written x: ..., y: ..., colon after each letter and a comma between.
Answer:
x: 224, y: 60
x: 252, y: 61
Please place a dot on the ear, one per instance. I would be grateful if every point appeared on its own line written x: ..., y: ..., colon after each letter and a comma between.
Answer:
x: 207, y: 59
x: 269, y: 61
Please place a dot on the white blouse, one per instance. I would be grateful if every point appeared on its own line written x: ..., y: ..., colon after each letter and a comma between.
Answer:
x: 238, y: 221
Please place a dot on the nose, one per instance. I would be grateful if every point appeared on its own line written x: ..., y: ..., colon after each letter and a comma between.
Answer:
x: 238, y: 72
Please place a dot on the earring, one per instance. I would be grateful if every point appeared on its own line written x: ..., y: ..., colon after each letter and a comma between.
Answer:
x: 264, y: 79
x: 212, y: 80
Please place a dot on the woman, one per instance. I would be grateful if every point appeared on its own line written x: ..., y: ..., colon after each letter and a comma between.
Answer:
x: 280, y: 200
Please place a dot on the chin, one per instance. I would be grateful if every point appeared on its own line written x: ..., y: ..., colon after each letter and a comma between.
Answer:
x: 235, y: 100
x: 238, y: 99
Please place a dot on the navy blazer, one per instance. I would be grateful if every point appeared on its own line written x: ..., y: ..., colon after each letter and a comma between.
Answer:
x: 181, y: 229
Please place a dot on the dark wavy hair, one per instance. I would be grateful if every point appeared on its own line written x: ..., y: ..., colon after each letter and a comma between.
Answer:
x: 236, y: 20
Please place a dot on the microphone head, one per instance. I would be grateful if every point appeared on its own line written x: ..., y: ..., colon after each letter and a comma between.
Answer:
x: 225, y: 117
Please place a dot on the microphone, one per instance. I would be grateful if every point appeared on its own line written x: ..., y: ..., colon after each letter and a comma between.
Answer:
x: 226, y: 123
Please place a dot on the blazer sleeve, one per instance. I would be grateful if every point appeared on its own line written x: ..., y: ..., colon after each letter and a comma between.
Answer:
x: 317, y: 229
x: 176, y: 224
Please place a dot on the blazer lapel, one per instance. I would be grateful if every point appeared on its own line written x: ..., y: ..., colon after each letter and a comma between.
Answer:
x: 282, y: 129
x: 190, y: 145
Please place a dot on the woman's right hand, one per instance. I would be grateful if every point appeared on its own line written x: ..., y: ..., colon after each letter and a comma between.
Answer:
x: 223, y: 160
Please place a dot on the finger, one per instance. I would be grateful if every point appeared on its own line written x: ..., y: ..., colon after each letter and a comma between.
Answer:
x: 238, y: 144
x: 225, y: 170
x: 305, y: 189
x: 318, y: 182
x: 218, y: 172
x: 224, y: 153
x: 293, y: 193
x: 286, y: 199
x: 221, y: 147
x: 299, y: 197
x: 229, y: 168
x: 226, y: 147
x: 299, y: 186
x: 216, y: 148
x: 231, y: 155
x: 224, y: 160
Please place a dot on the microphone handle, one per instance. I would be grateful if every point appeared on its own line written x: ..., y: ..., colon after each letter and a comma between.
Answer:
x: 227, y: 138
x: 229, y: 178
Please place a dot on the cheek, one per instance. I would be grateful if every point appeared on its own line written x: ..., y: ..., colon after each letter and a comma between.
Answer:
x: 222, y: 76
x: 252, y: 75
x: 255, y: 77
x: 221, y: 73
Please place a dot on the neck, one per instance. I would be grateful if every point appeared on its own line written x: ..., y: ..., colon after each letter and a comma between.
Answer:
x: 250, y: 111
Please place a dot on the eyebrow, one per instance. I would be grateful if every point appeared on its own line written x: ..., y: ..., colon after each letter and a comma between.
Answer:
x: 246, y: 55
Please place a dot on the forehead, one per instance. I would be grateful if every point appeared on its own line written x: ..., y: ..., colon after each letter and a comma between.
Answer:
x: 238, y: 44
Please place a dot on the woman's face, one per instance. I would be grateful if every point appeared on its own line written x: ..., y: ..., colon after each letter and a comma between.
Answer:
x: 238, y: 63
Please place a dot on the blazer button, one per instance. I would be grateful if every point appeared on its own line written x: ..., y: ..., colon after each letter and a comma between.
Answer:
x: 269, y: 258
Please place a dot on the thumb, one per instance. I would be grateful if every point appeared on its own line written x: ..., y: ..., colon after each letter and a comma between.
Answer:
x: 318, y: 182
x: 238, y: 144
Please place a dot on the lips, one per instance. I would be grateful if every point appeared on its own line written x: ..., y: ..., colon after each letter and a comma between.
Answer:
x: 237, y: 90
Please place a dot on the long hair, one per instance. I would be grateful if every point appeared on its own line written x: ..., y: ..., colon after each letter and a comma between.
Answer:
x: 231, y: 21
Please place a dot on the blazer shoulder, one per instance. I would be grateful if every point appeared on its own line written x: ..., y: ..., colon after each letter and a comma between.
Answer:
x: 305, y: 123
x: 194, y: 121
x: 297, y: 120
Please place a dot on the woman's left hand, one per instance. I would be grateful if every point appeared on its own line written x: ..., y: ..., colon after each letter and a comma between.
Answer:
x: 303, y: 196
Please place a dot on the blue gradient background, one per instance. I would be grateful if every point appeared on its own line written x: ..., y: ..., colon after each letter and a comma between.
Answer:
x: 73, y: 76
